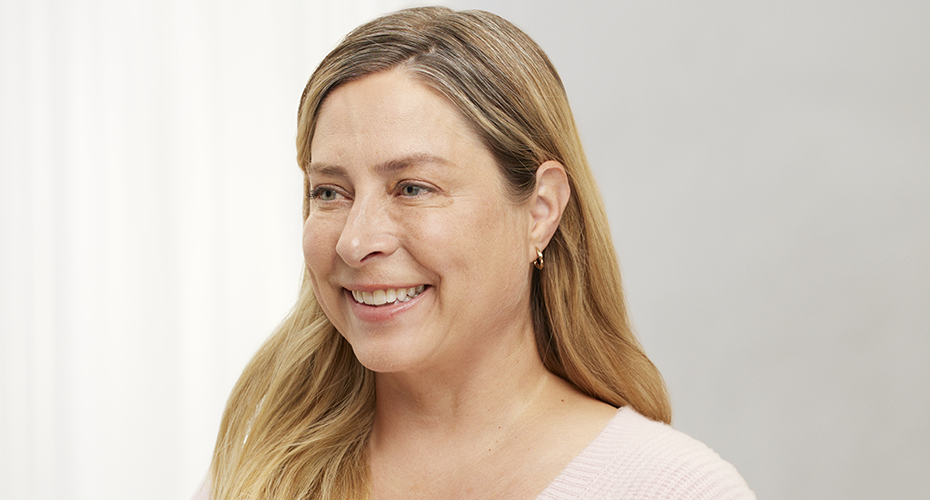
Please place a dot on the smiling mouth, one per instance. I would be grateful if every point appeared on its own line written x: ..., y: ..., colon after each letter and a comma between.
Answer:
x: 388, y: 296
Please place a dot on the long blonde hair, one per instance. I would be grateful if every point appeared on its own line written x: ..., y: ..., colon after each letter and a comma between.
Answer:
x: 298, y: 420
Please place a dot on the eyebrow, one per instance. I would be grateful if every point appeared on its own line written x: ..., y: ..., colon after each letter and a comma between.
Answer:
x: 389, y: 166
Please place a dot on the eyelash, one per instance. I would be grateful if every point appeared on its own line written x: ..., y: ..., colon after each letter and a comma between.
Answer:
x: 421, y: 189
x: 316, y: 193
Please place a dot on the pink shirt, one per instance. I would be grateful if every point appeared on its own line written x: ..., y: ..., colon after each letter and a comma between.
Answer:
x: 635, y: 458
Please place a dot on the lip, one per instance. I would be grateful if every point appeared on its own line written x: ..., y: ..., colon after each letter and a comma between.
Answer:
x: 384, y: 312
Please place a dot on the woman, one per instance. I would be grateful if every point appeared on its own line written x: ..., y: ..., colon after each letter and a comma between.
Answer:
x: 461, y: 331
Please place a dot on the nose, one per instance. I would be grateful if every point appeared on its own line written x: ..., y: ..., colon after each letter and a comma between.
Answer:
x: 367, y: 233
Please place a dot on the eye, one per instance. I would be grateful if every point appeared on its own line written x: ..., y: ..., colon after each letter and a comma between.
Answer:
x: 324, y: 193
x: 412, y: 190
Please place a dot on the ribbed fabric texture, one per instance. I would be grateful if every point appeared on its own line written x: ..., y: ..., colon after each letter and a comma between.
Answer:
x: 635, y: 458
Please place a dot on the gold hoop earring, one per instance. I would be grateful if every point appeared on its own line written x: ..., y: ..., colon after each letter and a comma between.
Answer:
x: 539, y: 260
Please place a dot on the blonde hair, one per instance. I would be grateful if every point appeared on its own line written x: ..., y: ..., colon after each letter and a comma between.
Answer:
x: 298, y: 420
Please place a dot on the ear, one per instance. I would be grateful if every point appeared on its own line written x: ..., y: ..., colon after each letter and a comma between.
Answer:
x: 548, y: 203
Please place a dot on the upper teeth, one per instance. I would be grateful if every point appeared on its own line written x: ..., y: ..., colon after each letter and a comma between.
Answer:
x: 391, y: 295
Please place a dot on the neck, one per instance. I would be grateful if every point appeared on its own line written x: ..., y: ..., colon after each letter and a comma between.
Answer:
x: 490, y: 391
x: 438, y: 432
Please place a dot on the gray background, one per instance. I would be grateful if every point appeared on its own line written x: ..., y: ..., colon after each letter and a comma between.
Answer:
x: 766, y: 167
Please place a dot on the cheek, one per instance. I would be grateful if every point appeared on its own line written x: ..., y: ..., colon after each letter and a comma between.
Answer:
x: 489, y: 244
x: 319, y: 245
x: 308, y: 241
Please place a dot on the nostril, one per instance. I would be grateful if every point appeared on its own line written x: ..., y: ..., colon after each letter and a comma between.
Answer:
x: 371, y: 255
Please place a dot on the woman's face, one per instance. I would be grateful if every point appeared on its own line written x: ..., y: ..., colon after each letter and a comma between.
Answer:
x: 414, y: 251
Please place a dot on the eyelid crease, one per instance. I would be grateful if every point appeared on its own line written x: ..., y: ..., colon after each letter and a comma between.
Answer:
x: 314, y: 192
x: 423, y: 186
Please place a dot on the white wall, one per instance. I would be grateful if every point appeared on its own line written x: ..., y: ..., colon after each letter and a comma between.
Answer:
x: 766, y: 168
x: 150, y: 224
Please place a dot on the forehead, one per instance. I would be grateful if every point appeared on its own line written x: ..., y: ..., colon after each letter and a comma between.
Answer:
x: 388, y: 114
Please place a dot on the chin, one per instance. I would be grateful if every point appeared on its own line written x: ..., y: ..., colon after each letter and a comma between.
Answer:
x: 387, y: 358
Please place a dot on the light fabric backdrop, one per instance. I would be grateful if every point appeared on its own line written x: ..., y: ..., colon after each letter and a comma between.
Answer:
x: 766, y: 168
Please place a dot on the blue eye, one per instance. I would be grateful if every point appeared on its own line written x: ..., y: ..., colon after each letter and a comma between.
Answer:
x: 411, y: 190
x: 324, y: 194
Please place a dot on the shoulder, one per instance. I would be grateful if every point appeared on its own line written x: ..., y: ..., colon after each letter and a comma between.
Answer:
x: 666, y: 463
x: 637, y: 458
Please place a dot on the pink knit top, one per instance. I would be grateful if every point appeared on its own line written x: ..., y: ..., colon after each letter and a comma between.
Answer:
x: 635, y: 458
